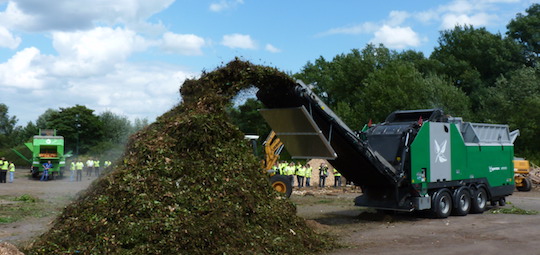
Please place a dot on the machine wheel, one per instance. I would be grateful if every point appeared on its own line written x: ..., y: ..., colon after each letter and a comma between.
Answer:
x: 527, y: 185
x: 441, y: 204
x: 462, y: 201
x: 479, y: 200
x: 281, y: 184
x: 502, y: 201
x: 61, y: 173
x: 35, y: 173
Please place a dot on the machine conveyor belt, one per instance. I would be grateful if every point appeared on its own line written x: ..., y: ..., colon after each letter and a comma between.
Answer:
x: 355, y: 160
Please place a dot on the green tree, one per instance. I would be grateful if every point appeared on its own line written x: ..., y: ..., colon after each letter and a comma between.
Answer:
x: 248, y: 119
x: 516, y: 100
x: 474, y: 58
x: 373, y: 82
x: 7, y: 127
x: 340, y: 80
x: 23, y: 135
x: 42, y: 121
x: 525, y: 29
x: 400, y: 86
x: 79, y: 126
x: 116, y: 128
x: 139, y: 124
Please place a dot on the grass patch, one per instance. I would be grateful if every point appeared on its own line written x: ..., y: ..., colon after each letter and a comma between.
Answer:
x: 25, y: 206
x: 27, y: 198
x: 514, y: 210
x: 325, y: 201
x: 6, y: 220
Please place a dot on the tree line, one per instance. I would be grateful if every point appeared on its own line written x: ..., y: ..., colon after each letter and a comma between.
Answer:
x: 471, y: 73
x: 84, y: 132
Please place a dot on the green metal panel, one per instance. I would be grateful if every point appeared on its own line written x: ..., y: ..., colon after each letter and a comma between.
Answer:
x: 468, y: 161
x: 30, y: 146
x: 493, y: 162
x: 420, y: 163
x: 460, y: 171
x: 47, y: 148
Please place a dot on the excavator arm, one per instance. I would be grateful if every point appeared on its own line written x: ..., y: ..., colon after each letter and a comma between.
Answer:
x: 272, y: 149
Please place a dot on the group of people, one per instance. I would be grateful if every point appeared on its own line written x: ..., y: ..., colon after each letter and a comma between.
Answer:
x: 76, y: 167
x: 5, y: 167
x: 324, y: 173
x: 303, y: 173
x: 90, y: 166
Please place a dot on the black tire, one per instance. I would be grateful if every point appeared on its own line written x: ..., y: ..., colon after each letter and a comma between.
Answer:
x: 35, y: 173
x: 527, y: 185
x: 479, y: 200
x: 462, y: 201
x: 281, y: 184
x: 441, y: 204
x: 61, y: 173
x: 502, y: 201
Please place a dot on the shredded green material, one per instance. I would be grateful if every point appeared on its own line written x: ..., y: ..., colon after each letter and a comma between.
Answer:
x: 187, y: 184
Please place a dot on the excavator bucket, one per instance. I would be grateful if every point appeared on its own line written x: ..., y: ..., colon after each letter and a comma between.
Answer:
x: 299, y: 133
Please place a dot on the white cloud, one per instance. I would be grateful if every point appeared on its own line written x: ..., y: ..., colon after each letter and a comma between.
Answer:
x: 363, y: 28
x: 389, y: 32
x: 68, y: 15
x: 131, y: 90
x: 94, y: 51
x: 23, y: 70
x: 458, y: 6
x: 184, y: 44
x: 225, y: 4
x: 135, y: 90
x: 396, y: 18
x: 90, y: 66
x: 465, y: 12
x: 239, y: 41
x: 396, y: 37
x: 272, y: 48
x: 449, y: 21
x: 7, y: 39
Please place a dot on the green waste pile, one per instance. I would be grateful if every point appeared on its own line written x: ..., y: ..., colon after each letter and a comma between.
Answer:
x: 187, y: 184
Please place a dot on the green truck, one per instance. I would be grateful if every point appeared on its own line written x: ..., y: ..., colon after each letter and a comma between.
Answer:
x: 44, y: 147
x: 416, y: 160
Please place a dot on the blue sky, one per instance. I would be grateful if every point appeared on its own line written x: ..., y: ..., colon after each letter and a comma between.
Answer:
x: 131, y: 56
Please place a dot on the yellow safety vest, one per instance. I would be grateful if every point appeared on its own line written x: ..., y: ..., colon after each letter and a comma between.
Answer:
x: 12, y: 167
x: 301, y: 171
x: 5, y: 165
x: 309, y: 170
x: 290, y: 170
x: 336, y: 173
x: 323, y: 171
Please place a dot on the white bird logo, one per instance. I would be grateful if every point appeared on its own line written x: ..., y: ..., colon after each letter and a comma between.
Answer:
x: 440, y: 149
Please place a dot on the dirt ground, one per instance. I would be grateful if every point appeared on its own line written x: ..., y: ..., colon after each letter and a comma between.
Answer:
x: 364, y: 231
x: 54, y: 195
x: 329, y: 210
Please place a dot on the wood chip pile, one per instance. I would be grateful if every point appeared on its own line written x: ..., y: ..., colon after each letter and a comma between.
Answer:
x: 187, y: 184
